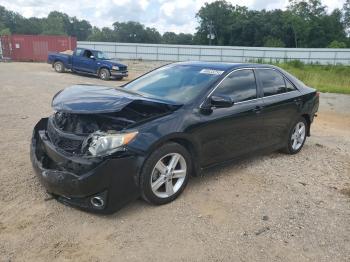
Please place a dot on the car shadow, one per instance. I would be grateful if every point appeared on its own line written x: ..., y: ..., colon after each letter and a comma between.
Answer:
x: 207, y: 176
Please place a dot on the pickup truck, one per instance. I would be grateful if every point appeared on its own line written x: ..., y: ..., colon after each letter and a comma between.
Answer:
x: 88, y: 61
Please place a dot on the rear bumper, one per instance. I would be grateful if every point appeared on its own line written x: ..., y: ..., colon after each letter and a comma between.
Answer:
x: 76, y: 180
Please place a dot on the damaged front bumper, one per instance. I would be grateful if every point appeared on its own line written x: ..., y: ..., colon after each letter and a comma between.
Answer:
x: 101, y: 185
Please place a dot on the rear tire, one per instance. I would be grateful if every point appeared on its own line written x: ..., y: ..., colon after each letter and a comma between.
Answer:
x: 296, y: 137
x: 59, y: 67
x: 104, y: 74
x: 165, y: 174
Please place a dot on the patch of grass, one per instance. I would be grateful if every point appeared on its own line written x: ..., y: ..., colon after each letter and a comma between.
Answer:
x: 325, y: 78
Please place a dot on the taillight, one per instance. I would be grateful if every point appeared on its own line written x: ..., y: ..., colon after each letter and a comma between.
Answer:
x: 317, y: 94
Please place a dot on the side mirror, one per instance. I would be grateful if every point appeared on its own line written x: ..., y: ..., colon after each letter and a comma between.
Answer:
x: 92, y: 57
x: 221, y: 101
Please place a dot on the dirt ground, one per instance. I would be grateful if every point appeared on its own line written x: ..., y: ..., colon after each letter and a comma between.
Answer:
x: 268, y: 208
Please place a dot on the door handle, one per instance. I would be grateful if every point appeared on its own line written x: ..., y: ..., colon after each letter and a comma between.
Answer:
x: 298, y: 101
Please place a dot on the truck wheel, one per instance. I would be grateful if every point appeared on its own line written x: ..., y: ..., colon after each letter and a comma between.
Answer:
x: 59, y: 67
x: 104, y: 74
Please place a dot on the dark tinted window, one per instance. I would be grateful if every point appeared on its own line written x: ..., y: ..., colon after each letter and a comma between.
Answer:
x: 239, y: 85
x: 87, y: 53
x: 272, y: 81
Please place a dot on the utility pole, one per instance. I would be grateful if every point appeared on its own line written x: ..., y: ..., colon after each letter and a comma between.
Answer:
x: 295, y: 37
x: 133, y: 37
x: 211, y: 35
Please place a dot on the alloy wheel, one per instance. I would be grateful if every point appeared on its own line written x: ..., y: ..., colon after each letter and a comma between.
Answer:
x: 168, y: 175
x: 298, y: 136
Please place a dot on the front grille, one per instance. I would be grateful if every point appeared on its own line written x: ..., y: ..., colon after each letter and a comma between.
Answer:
x: 122, y: 68
x: 68, y: 142
x: 69, y: 145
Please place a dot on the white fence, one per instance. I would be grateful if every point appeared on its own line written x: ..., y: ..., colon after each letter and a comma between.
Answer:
x: 219, y: 53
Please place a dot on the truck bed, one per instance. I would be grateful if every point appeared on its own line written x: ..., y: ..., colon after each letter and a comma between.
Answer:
x: 66, y: 59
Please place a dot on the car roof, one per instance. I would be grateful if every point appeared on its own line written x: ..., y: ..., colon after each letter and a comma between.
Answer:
x: 89, y: 49
x: 222, y: 65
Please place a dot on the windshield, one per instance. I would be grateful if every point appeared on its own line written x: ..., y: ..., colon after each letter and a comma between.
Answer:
x: 179, y: 83
x: 101, y: 55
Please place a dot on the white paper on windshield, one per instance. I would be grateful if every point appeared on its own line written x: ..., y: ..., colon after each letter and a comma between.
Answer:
x: 211, y: 72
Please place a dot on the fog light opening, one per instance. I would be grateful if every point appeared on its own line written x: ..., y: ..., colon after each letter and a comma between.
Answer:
x: 97, y: 202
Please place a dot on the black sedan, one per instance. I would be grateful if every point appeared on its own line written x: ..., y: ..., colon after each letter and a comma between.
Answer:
x: 104, y: 147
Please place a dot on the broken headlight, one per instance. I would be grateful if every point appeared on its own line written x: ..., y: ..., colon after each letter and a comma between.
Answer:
x: 104, y: 143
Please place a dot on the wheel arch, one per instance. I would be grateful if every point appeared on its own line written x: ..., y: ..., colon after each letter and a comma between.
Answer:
x: 103, y: 67
x: 184, y: 141
x: 55, y: 61
x: 190, y: 147
x: 308, y: 121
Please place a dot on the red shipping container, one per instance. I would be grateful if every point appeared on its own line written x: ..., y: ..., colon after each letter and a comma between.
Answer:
x: 35, y: 47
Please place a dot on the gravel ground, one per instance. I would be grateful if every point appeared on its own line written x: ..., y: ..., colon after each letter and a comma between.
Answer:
x: 267, y: 208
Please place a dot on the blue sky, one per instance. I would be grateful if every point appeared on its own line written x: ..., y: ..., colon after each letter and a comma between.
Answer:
x: 165, y: 15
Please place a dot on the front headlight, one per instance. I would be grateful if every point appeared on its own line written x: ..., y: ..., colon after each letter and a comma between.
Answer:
x: 115, y: 67
x: 102, y: 143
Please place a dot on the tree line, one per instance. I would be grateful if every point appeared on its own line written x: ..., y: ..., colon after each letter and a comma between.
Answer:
x: 305, y: 23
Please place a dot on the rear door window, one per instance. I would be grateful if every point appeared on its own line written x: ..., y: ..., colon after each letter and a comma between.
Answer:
x: 78, y: 52
x: 239, y: 85
x: 273, y: 82
x: 289, y: 86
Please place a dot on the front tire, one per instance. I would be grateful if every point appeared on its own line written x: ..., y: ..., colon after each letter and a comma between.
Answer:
x: 59, y: 67
x: 104, y: 74
x: 165, y: 174
x: 297, y: 137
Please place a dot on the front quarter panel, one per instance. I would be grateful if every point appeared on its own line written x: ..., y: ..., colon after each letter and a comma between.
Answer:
x: 170, y: 127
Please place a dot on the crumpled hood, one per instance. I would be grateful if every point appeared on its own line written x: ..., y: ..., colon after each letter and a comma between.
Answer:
x: 86, y: 99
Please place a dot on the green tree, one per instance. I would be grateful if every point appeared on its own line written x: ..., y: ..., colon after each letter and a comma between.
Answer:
x: 215, y: 18
x: 104, y: 35
x: 152, y: 36
x: 271, y: 41
x: 135, y: 32
x: 169, y: 38
x: 184, y: 39
x: 5, y: 31
x: 346, y: 16
x: 80, y: 28
x: 173, y: 38
x: 130, y: 32
x: 337, y: 44
x: 305, y: 23
x: 56, y: 23
x: 313, y: 26
x: 307, y: 8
